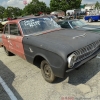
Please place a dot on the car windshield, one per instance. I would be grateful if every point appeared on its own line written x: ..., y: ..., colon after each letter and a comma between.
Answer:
x: 77, y: 23
x: 36, y: 25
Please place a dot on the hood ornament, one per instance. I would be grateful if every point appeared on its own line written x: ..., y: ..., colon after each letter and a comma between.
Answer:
x: 80, y: 36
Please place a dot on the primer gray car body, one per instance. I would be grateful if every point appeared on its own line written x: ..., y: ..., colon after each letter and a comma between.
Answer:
x: 55, y: 46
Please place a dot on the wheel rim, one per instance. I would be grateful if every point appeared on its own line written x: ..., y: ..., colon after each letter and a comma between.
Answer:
x: 47, y: 71
x: 90, y: 20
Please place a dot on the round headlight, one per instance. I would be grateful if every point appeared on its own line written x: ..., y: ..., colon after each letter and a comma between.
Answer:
x: 71, y: 60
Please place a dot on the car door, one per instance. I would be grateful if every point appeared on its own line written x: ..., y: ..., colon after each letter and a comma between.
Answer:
x: 5, y: 37
x: 15, y: 40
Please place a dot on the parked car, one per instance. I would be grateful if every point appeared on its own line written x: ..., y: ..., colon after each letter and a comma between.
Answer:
x: 78, y: 24
x: 93, y: 15
x: 42, y: 42
x: 60, y: 14
x: 91, y: 18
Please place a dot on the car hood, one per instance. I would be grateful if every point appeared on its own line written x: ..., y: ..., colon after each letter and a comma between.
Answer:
x: 89, y: 27
x: 62, y: 41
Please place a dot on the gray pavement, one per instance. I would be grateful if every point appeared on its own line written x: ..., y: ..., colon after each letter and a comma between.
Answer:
x: 26, y: 82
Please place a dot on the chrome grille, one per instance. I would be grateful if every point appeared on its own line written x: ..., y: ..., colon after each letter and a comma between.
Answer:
x: 87, y: 51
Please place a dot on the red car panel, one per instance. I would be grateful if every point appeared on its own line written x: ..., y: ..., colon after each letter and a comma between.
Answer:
x: 12, y: 39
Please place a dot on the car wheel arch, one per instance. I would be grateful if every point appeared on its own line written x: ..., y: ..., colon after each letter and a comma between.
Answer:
x: 38, y: 59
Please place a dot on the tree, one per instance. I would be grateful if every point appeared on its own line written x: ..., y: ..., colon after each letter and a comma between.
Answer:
x: 42, y: 6
x: 12, y: 12
x: 2, y: 10
x: 74, y: 4
x: 64, y: 4
x: 48, y: 10
x: 34, y: 7
x: 97, y: 5
x: 27, y: 10
x: 54, y: 5
x: 16, y: 11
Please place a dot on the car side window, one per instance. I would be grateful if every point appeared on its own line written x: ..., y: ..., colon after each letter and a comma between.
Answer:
x: 66, y: 25
x: 6, y: 29
x: 14, y: 30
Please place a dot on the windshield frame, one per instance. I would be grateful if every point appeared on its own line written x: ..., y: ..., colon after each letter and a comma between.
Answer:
x: 39, y: 32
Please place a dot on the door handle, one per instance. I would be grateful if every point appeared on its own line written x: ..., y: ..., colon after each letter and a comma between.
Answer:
x: 7, y: 36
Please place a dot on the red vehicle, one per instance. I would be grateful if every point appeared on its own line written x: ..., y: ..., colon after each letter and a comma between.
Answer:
x: 12, y: 40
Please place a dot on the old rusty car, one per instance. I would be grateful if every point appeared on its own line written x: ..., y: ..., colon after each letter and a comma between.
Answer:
x: 42, y: 42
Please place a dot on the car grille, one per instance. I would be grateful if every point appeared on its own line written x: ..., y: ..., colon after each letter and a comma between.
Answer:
x: 87, y: 51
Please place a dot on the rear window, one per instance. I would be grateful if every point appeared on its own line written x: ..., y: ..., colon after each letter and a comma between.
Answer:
x: 35, y: 25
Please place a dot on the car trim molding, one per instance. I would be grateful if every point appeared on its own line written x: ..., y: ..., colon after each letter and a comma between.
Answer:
x: 80, y: 36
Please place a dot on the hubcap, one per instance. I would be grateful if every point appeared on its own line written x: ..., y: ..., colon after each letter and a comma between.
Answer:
x: 47, y: 71
x: 89, y: 20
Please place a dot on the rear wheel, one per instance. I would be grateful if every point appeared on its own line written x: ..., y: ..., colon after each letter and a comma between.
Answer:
x: 47, y: 72
x: 90, y: 20
x: 8, y: 53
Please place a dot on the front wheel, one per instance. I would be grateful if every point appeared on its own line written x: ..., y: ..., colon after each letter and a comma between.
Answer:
x: 47, y: 72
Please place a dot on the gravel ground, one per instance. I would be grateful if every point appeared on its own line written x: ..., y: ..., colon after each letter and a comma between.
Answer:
x: 26, y: 82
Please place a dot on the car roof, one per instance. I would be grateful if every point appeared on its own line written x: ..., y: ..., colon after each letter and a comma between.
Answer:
x: 71, y: 19
x: 26, y: 17
x: 66, y: 20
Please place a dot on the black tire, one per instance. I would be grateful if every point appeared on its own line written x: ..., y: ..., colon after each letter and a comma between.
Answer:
x: 8, y: 53
x: 90, y: 20
x: 47, y: 72
x: 96, y: 20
